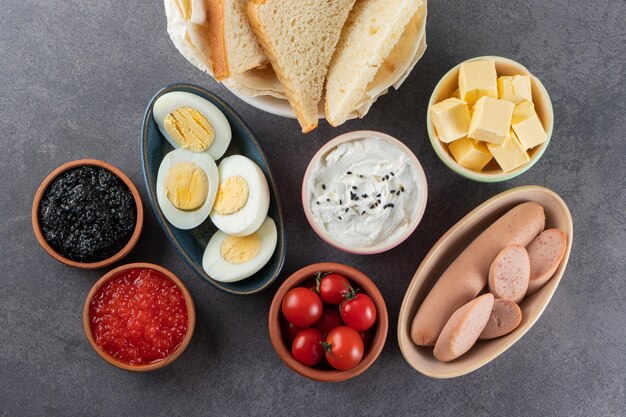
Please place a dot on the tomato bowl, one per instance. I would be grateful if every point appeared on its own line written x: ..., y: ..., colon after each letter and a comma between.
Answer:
x: 139, y: 317
x: 359, y: 281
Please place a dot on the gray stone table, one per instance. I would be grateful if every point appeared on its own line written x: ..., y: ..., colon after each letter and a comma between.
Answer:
x: 75, y: 77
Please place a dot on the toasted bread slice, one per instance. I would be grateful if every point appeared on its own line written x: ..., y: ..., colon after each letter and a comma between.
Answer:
x: 214, y: 35
x: 377, y: 39
x: 299, y: 38
x: 395, y: 79
x: 234, y: 48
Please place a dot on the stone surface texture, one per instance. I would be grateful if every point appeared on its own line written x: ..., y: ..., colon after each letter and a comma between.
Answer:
x: 75, y: 77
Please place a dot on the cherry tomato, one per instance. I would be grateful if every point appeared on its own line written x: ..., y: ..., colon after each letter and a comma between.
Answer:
x: 358, y: 311
x: 329, y: 320
x: 344, y: 348
x: 290, y: 331
x: 367, y: 337
x: 307, y: 347
x: 302, y: 307
x: 333, y: 288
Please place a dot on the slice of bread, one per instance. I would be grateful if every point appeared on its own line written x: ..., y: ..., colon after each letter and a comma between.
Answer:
x: 299, y: 38
x: 373, y: 29
x: 399, y: 64
x: 234, y: 48
x: 376, y: 90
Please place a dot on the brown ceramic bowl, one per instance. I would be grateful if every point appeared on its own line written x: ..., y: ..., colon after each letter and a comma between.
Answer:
x: 87, y: 265
x: 361, y: 281
x: 191, y: 314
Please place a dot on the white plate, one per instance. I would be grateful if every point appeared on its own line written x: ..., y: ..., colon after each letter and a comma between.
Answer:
x: 273, y: 105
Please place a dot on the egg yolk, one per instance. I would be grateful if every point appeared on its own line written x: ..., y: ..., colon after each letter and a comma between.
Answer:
x: 231, y: 196
x: 240, y: 249
x: 186, y: 186
x: 190, y: 129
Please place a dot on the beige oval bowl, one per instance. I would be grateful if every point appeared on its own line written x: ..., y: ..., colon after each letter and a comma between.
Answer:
x: 447, y: 248
x: 492, y: 172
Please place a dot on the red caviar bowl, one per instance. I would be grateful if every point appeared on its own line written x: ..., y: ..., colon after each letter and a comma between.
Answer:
x: 359, y: 280
x: 191, y: 319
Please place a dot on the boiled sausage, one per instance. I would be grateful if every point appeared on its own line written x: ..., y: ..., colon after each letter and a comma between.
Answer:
x: 467, y: 274
x: 546, y: 252
x: 462, y: 330
x: 509, y: 274
x: 505, y: 317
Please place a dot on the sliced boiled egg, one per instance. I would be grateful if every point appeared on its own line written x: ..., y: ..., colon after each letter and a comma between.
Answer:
x: 243, y: 197
x: 191, y: 122
x: 186, y: 186
x: 230, y: 258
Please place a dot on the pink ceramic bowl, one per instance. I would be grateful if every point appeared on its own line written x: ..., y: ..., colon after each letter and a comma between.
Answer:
x: 350, y: 136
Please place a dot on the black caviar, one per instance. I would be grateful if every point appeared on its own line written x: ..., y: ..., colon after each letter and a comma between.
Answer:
x: 87, y: 214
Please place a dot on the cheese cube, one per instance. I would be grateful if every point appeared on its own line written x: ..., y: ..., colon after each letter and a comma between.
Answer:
x: 491, y: 120
x: 510, y: 154
x: 470, y: 153
x: 522, y: 111
x: 478, y: 79
x: 527, y: 126
x: 450, y: 118
x: 515, y: 88
x: 530, y: 132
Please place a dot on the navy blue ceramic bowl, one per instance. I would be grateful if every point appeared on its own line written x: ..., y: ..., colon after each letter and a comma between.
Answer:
x: 191, y: 243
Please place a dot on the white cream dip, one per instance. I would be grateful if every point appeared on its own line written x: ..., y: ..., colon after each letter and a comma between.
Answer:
x: 364, y: 193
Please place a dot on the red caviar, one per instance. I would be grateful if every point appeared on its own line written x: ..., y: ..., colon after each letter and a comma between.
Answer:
x: 139, y: 316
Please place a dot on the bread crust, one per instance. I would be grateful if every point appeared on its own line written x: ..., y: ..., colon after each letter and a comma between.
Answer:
x: 217, y: 41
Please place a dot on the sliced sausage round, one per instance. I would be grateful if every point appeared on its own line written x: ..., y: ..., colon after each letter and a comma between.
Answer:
x: 505, y: 317
x: 462, y: 330
x: 509, y: 274
x: 546, y: 252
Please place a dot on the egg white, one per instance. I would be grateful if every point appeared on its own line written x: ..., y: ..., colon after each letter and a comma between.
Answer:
x: 187, y: 219
x: 249, y: 218
x: 169, y: 102
x: 221, y: 270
